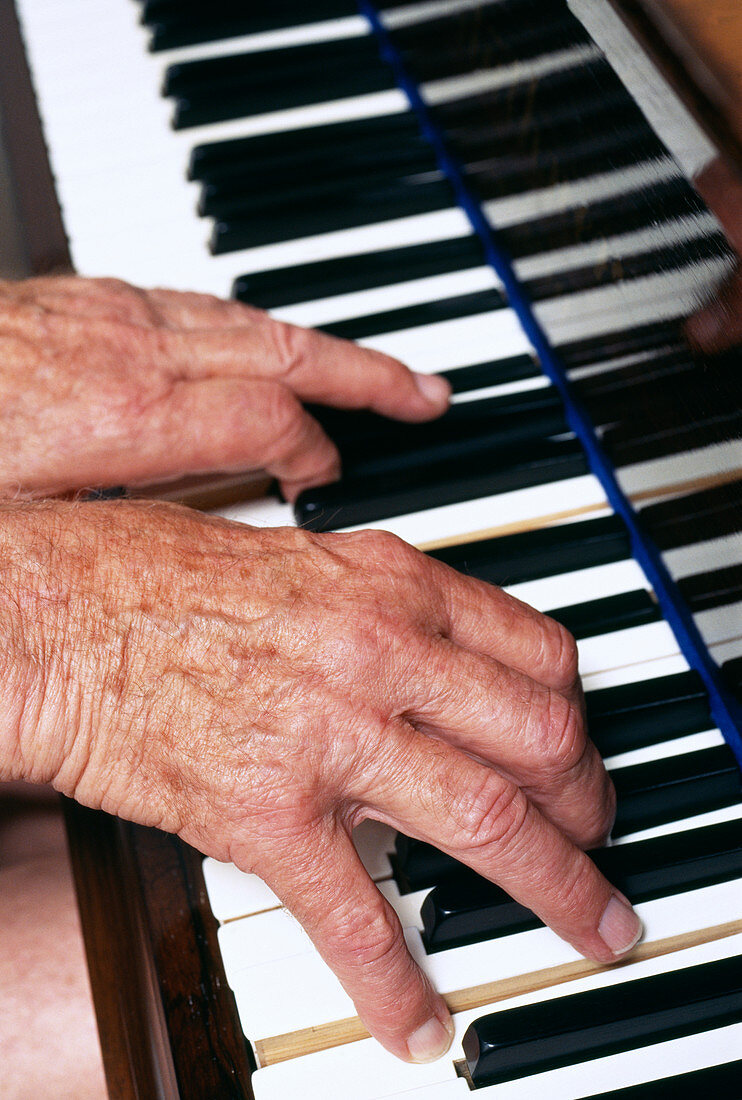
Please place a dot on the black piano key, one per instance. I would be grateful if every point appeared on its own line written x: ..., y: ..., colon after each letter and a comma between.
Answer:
x: 722, y: 1080
x: 496, y: 372
x: 187, y: 24
x: 529, y: 555
x: 345, y: 210
x: 732, y: 673
x: 694, y: 517
x: 555, y: 285
x: 485, y: 37
x: 714, y: 588
x: 649, y: 797
x: 350, y: 503
x: 369, y: 443
x: 256, y: 196
x: 221, y: 160
x: 510, y: 1044
x: 498, y: 177
x: 573, y: 88
x: 618, y: 269
x: 271, y: 68
x: 630, y: 716
x: 240, y: 85
x: 466, y: 908
x: 286, y: 286
x: 627, y: 609
x: 425, y: 313
x: 654, y: 205
x: 474, y: 138
x: 632, y: 340
x: 660, y: 791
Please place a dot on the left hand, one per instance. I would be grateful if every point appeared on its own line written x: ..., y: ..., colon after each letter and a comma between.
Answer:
x: 102, y: 383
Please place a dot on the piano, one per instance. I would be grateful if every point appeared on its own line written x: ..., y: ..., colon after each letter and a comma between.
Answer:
x: 498, y: 190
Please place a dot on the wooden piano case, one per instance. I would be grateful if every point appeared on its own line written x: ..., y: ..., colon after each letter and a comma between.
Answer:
x: 167, y: 1019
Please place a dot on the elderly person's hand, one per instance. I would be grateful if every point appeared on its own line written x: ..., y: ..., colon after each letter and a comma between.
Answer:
x: 719, y: 325
x: 260, y: 692
x: 103, y: 384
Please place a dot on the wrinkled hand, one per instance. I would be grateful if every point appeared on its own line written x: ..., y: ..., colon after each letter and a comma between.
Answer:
x: 102, y: 384
x: 260, y: 692
x: 719, y: 325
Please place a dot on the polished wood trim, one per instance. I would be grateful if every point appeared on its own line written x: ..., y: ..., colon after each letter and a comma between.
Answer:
x: 44, y: 239
x: 167, y: 1019
x: 697, y: 45
x: 118, y: 973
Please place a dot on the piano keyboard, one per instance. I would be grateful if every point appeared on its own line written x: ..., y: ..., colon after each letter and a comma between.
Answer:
x: 313, y: 194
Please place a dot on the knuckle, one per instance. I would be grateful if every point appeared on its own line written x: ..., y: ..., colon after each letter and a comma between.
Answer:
x: 372, y: 936
x: 289, y: 344
x: 284, y: 417
x: 494, y: 817
x: 559, y: 654
x: 564, y: 744
x: 600, y: 815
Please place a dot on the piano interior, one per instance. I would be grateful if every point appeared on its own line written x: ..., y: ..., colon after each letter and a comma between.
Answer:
x: 499, y: 190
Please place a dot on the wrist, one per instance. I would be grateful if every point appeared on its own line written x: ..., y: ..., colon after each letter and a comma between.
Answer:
x: 36, y: 737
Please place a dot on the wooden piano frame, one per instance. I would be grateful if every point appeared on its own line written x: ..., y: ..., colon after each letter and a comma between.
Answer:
x: 167, y: 1019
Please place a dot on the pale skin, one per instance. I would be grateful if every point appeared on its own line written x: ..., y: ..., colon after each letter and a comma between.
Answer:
x: 260, y: 692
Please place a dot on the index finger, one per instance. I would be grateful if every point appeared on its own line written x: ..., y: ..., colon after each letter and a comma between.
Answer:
x: 315, y: 366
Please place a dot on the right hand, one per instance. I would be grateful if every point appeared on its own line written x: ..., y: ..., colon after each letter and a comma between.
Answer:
x: 260, y: 692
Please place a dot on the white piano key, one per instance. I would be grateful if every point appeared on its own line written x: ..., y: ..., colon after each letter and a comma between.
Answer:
x: 698, y: 821
x: 691, y: 742
x: 630, y: 674
x: 540, y: 948
x: 683, y: 468
x: 702, y: 557
x: 365, y: 1071
x: 726, y: 651
x: 298, y: 991
x: 594, y: 583
x: 260, y: 939
x: 605, y: 249
x: 557, y: 198
x: 326, y: 30
x: 451, y: 88
x: 720, y: 624
x: 652, y: 298
x: 412, y: 292
x: 632, y: 646
x: 471, y: 517
x: 538, y: 382
x: 455, y: 343
x: 406, y: 906
x: 265, y: 512
x: 234, y: 893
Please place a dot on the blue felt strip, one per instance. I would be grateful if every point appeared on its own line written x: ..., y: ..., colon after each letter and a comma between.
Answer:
x: 726, y: 710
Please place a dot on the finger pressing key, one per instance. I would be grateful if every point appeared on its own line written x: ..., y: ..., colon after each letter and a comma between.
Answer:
x: 483, y: 819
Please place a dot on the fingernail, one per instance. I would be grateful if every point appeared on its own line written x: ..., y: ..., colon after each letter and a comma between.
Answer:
x: 434, y: 389
x: 619, y: 928
x: 431, y: 1041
